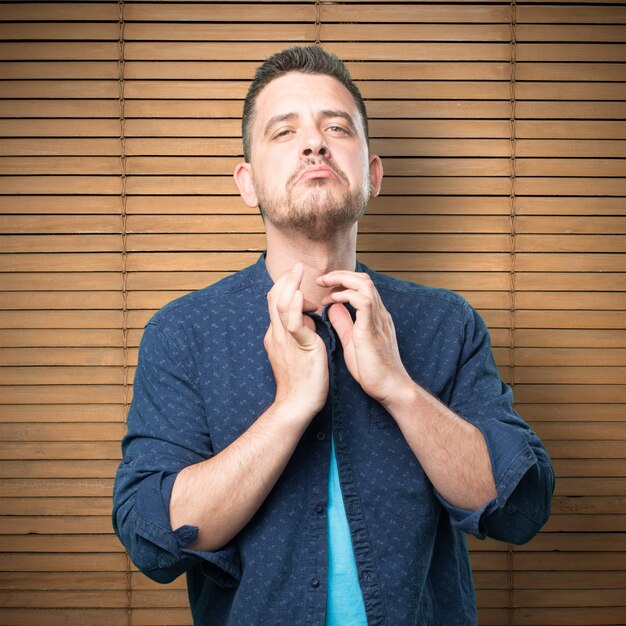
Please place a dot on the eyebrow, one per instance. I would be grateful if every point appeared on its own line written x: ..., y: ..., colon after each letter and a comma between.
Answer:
x: 326, y: 113
x: 343, y: 115
x: 277, y: 119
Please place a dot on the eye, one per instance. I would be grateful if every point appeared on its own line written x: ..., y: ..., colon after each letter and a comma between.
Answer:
x: 285, y: 132
x: 338, y: 130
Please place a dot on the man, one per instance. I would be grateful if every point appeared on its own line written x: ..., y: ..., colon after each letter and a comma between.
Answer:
x: 308, y: 442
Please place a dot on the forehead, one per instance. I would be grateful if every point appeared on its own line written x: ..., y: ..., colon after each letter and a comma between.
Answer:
x: 301, y: 93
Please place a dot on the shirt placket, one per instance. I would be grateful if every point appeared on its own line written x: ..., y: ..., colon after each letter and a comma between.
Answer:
x: 318, y: 441
x: 361, y: 543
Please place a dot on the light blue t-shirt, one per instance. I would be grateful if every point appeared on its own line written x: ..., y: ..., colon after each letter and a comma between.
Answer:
x: 344, y: 601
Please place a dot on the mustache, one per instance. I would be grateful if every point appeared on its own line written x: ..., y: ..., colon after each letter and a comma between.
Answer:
x: 313, y: 162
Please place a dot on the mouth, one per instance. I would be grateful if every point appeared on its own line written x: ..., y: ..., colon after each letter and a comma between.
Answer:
x: 319, y: 172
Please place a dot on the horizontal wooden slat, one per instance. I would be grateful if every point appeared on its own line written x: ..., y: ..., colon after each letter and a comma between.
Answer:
x: 306, y: 32
x: 63, y: 413
x: 62, y: 506
x: 60, y: 451
x: 586, y: 523
x: 590, y: 467
x: 105, y: 358
x: 569, y: 356
x: 58, y: 375
x: 569, y: 205
x: 554, y: 617
x: 554, y: 561
x: 484, y: 300
x: 94, y: 320
x: 48, y: 487
x: 189, y: 91
x: 573, y: 15
x: 64, y: 581
x: 111, y: 617
x: 570, y: 52
x: 432, y: 51
x: 105, y: 431
x: 551, y: 580
x: 436, y: 79
x: 148, y: 281
x: 54, y: 11
x: 61, y: 356
x: 195, y: 185
x: 250, y: 12
x: 102, y: 31
x: 146, y: 165
x: 58, y: 469
x: 204, y: 204
x: 570, y: 33
x: 70, y: 394
x: 570, y: 338
x: 44, y: 337
x: 574, y: 393
x: 60, y: 69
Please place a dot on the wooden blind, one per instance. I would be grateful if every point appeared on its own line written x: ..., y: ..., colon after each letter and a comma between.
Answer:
x: 502, y: 130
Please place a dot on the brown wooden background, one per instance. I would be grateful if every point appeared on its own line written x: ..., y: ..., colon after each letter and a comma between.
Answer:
x: 502, y: 129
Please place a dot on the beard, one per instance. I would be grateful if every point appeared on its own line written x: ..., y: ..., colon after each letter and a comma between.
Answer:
x: 317, y: 208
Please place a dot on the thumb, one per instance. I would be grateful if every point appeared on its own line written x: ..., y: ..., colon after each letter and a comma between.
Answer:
x: 342, y: 322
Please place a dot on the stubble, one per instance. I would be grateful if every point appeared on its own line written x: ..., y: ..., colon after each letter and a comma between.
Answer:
x: 316, y: 208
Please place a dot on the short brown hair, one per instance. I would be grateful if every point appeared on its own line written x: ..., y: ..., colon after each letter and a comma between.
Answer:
x: 303, y: 59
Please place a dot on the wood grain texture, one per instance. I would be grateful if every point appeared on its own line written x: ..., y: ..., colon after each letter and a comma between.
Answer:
x: 436, y: 80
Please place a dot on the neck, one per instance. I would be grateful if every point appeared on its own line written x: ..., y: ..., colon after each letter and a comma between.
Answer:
x: 286, y: 248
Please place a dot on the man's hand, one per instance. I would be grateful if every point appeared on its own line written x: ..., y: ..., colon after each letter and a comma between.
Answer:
x: 452, y: 451
x: 236, y: 481
x: 369, y: 344
x: 296, y: 352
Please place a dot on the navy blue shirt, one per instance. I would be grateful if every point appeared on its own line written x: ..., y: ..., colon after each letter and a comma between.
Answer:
x: 204, y: 377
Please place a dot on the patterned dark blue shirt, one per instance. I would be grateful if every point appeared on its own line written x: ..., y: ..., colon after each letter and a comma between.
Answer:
x: 204, y: 376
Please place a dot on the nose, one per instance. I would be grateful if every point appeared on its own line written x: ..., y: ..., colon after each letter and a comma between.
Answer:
x: 314, y: 144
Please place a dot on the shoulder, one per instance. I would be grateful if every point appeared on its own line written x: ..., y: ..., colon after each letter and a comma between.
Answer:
x: 396, y: 289
x: 199, y: 305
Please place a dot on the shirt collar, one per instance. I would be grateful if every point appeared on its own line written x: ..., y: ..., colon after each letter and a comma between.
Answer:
x: 261, y: 277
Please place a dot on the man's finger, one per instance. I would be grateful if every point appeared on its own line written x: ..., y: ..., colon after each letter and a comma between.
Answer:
x: 342, y: 322
x: 296, y: 325
x: 309, y: 306
x: 362, y: 303
x: 284, y: 301
x: 272, y: 295
x: 349, y: 280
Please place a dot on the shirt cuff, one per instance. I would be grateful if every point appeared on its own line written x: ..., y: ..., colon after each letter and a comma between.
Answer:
x: 512, y: 515
x: 174, y: 557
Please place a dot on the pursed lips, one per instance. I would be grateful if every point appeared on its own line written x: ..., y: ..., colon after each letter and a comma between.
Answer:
x: 317, y: 172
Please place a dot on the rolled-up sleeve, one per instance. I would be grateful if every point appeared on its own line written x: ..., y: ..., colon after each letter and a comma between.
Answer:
x: 521, y: 466
x: 167, y: 431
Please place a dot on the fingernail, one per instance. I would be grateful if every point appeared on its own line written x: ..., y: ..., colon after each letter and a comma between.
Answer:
x: 298, y: 267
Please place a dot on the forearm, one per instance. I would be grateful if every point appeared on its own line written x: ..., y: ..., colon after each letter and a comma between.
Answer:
x: 221, y: 494
x: 452, y: 451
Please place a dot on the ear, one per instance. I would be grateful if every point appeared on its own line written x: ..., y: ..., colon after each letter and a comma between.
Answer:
x: 376, y: 175
x: 245, y: 184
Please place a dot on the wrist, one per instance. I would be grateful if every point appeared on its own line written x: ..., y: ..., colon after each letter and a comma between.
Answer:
x: 293, y: 413
x: 403, y: 393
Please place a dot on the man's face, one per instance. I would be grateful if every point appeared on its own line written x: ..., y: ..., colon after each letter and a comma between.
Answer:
x: 309, y: 165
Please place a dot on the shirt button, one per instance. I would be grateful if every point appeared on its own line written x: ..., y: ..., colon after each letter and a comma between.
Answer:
x: 321, y: 436
x: 315, y: 582
x: 319, y: 508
